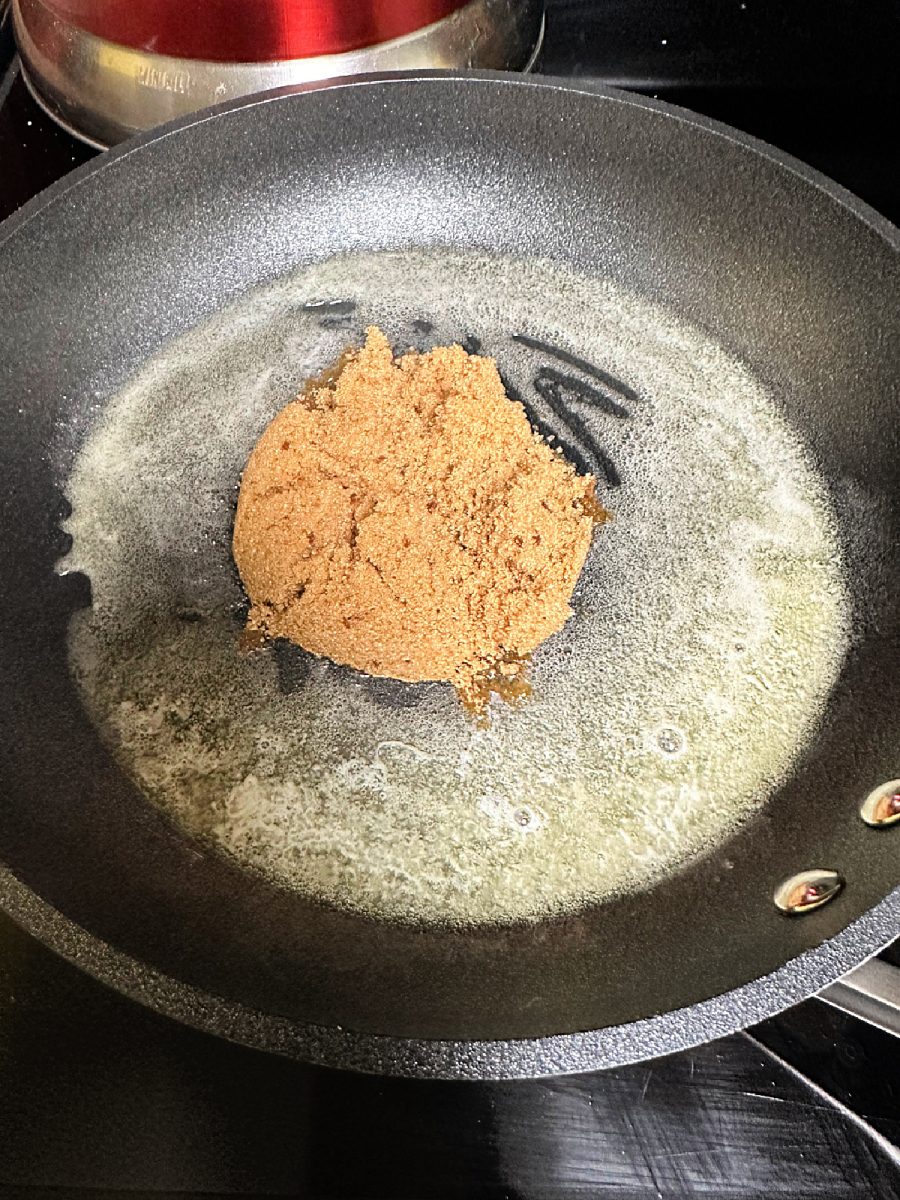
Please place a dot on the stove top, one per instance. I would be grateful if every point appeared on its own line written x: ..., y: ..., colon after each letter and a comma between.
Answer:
x: 100, y: 1096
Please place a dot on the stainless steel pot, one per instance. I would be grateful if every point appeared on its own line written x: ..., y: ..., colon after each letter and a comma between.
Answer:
x: 108, y: 70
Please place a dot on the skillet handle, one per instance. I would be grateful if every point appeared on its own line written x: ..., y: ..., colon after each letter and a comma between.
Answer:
x: 871, y: 993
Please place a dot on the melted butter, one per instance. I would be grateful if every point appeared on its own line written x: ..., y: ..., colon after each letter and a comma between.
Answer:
x: 709, y: 619
x: 592, y: 506
x: 251, y: 640
x: 507, y: 679
x: 326, y: 379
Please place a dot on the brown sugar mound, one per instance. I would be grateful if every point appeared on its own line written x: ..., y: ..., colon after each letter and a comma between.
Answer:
x: 404, y: 519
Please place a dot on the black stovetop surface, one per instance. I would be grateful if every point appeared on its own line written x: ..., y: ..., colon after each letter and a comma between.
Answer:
x: 100, y: 1096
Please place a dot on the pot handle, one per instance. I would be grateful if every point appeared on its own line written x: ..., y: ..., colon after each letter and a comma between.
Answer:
x: 871, y: 993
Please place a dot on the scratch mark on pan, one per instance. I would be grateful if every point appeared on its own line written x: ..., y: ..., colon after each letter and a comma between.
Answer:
x: 763, y: 1096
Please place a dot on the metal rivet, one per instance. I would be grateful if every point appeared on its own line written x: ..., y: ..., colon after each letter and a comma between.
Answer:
x: 882, y: 807
x: 806, y: 891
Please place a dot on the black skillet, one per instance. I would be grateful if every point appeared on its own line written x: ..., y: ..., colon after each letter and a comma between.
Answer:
x: 793, y: 276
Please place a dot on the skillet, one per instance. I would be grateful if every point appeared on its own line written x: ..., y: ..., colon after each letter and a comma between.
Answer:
x: 715, y: 251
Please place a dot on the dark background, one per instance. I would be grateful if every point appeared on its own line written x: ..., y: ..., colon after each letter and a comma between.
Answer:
x: 101, y: 1097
